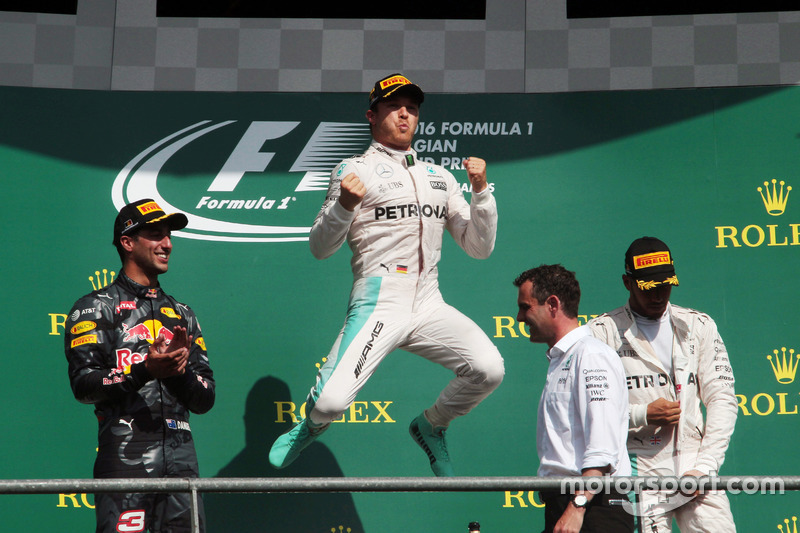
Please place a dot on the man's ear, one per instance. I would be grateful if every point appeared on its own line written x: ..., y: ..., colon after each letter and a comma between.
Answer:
x: 627, y: 281
x: 126, y: 241
x: 371, y: 117
x: 553, y: 303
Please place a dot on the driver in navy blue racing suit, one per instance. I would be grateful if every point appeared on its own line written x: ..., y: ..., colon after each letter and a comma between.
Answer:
x: 139, y: 357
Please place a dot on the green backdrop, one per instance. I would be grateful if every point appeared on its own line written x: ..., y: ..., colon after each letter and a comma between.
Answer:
x: 576, y: 176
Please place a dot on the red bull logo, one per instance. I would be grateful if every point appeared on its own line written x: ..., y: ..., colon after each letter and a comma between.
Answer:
x: 149, y: 330
x: 126, y: 358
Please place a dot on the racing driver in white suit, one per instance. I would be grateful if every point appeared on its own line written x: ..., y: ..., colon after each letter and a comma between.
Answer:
x: 393, y: 209
x: 674, y: 359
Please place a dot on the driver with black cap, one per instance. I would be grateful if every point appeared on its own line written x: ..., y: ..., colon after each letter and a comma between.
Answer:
x: 676, y: 365
x: 138, y: 356
x: 393, y: 209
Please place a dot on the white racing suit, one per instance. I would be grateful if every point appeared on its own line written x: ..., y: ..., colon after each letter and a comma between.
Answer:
x: 396, y: 238
x: 702, y: 373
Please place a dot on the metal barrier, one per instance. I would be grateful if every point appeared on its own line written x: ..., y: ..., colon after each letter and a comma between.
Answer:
x: 396, y: 484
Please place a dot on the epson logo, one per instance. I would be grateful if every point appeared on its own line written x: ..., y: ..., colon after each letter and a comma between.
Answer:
x: 231, y: 178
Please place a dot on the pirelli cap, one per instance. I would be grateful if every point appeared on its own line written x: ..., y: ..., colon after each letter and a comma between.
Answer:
x: 394, y: 85
x: 134, y: 216
x: 649, y: 261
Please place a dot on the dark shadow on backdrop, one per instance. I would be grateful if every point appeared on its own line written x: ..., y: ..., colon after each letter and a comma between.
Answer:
x: 275, y: 512
x: 60, y: 123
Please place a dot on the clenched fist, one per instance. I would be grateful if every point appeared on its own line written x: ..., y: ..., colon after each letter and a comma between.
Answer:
x: 352, y: 191
x: 476, y: 172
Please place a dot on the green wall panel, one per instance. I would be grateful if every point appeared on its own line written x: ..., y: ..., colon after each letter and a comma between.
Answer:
x: 576, y: 176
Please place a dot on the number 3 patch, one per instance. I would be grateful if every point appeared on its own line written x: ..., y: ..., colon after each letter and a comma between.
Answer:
x: 131, y: 522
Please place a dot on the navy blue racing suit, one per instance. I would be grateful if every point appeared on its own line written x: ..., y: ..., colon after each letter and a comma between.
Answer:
x: 143, y: 422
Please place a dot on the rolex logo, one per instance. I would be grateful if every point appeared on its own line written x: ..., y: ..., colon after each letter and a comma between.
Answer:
x: 775, y: 199
x: 786, y: 527
x: 784, y: 367
x: 342, y: 529
x: 775, y: 195
x: 98, y: 282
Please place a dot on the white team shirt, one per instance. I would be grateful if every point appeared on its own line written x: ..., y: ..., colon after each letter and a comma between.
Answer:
x: 583, y: 410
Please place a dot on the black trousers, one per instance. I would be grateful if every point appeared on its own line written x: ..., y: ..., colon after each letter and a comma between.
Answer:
x: 600, y: 517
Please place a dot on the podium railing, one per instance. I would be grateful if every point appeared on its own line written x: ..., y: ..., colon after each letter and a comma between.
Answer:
x: 195, y: 486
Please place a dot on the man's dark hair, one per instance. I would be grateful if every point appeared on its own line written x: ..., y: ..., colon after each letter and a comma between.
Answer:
x: 553, y: 280
x: 120, y: 250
